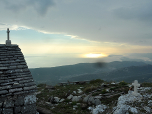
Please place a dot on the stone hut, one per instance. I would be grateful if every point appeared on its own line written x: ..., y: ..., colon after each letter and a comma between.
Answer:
x: 17, y: 87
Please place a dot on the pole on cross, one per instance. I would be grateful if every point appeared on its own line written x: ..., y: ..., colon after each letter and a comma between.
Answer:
x: 8, y: 33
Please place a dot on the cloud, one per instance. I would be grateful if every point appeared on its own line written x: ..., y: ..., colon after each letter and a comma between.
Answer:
x: 102, y: 21
x: 12, y: 27
x: 115, y: 55
x: 18, y: 5
x: 138, y: 11
x: 146, y: 56
x: 130, y: 59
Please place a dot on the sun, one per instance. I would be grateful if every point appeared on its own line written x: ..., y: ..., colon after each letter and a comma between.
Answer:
x: 94, y: 55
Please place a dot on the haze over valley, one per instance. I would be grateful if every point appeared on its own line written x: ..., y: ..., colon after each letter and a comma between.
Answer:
x: 113, y: 71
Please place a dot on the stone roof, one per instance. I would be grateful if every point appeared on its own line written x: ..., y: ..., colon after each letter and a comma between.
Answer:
x: 15, y: 77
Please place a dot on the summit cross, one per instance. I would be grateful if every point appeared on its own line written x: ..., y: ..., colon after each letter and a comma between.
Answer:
x: 136, y: 85
x: 8, y: 42
x: 8, y: 33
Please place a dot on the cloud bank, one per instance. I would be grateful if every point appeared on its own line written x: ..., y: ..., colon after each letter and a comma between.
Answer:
x: 117, y: 21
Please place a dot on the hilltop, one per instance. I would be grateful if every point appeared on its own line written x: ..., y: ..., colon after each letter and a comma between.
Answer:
x: 94, y: 97
x: 113, y: 71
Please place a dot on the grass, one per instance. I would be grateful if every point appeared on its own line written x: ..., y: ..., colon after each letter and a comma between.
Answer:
x: 64, y: 91
x: 146, y: 84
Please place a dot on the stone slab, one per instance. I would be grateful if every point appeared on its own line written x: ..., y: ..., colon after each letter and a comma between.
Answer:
x: 17, y: 109
x: 15, y: 90
x: 29, y: 109
x: 29, y: 84
x: 7, y: 110
x: 3, y: 92
x: 8, y: 103
x: 19, y: 101
x: 28, y: 88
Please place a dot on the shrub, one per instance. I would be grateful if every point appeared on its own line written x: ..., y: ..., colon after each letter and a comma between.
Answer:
x: 103, y: 91
x: 123, y: 83
x: 96, y: 81
x: 146, y: 84
x: 41, y: 85
x: 88, y: 89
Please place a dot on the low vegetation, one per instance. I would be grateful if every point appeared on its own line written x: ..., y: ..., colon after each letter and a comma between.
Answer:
x: 94, y: 87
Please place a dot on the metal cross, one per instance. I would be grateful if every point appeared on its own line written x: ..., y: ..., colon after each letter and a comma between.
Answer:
x: 8, y: 33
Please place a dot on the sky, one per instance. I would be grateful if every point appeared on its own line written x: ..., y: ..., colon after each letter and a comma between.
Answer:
x: 62, y: 32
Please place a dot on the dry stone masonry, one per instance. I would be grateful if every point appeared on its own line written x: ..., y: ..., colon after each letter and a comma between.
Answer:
x: 17, y: 87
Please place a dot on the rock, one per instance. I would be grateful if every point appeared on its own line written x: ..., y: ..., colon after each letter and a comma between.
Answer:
x: 91, y: 100
x: 75, y: 106
x: 74, y: 92
x: 17, y: 109
x: 50, y: 99
x: 107, y: 90
x: 38, y: 92
x: 53, y: 100
x: 70, y: 97
x: 99, y: 109
x: 86, y: 98
x: 76, y: 98
x: 9, y: 103
x: 149, y: 110
x: 122, y: 107
x: 61, y: 100
x: 19, y: 101
x: 97, y: 97
x: 78, y: 103
x: 48, y: 103
x: 56, y: 99
x: 30, y: 99
x: 1, y: 104
x: 7, y: 110
x: 113, y: 83
x: 150, y: 103
x: 97, y: 102
x: 50, y: 87
x: 43, y: 110
x: 80, y: 91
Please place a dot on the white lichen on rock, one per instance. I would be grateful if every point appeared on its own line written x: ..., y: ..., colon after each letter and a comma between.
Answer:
x: 30, y: 99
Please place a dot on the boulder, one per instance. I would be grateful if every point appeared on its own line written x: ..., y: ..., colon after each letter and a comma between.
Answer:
x: 74, y: 92
x: 50, y: 87
x: 70, y: 97
x: 80, y: 91
x: 56, y: 99
x: 76, y: 98
x: 53, y: 99
x: 50, y: 99
x: 97, y: 102
x: 97, y: 97
x: 91, y: 100
x: 43, y: 110
x: 49, y: 104
x: 61, y: 100
x: 86, y: 98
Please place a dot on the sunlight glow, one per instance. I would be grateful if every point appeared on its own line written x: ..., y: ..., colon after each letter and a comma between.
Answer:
x: 94, y: 55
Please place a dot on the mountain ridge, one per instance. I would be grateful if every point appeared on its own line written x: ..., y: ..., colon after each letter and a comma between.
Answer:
x: 80, y: 72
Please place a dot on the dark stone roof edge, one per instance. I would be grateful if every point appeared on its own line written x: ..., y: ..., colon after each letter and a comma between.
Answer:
x: 12, y: 45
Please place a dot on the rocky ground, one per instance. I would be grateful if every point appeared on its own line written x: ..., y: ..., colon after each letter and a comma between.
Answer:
x: 95, y: 97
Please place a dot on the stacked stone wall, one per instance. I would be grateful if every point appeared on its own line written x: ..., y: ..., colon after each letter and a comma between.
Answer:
x: 17, y: 87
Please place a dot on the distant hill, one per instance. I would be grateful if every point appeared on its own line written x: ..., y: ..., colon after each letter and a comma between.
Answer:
x: 84, y: 71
